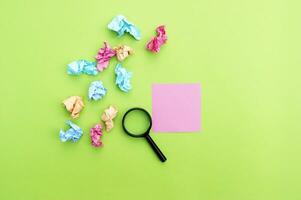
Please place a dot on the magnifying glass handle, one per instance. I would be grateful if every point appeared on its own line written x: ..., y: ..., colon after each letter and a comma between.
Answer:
x: 156, y: 148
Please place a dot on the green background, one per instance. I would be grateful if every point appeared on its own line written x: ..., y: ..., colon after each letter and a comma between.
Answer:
x: 245, y: 54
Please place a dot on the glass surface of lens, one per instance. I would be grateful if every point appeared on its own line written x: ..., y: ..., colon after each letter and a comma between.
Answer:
x: 136, y: 122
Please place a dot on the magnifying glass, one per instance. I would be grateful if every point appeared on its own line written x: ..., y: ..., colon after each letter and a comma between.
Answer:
x: 137, y: 132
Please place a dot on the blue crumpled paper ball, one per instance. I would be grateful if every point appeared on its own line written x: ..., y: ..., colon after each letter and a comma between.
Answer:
x: 121, y: 25
x: 96, y: 91
x: 73, y: 134
x: 82, y: 67
x: 123, y: 78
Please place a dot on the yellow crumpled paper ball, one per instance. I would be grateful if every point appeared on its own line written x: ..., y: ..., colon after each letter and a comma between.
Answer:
x: 107, y: 117
x: 74, y: 105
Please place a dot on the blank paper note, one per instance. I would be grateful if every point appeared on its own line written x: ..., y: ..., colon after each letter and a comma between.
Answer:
x: 176, y: 107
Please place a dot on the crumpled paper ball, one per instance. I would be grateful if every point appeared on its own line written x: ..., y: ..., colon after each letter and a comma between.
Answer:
x: 155, y: 43
x: 96, y: 133
x: 107, y: 117
x: 123, y: 78
x: 73, y: 134
x: 74, y: 105
x: 96, y: 91
x: 121, y: 25
x: 82, y: 67
x: 103, y: 56
x: 123, y: 51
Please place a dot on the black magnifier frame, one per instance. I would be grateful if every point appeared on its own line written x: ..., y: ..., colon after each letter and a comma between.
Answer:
x: 145, y: 134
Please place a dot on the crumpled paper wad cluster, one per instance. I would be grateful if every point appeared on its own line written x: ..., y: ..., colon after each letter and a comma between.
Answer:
x: 74, y: 104
x: 105, y: 54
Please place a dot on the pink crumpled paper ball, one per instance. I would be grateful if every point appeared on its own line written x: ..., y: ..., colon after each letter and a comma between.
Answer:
x: 96, y: 133
x: 103, y: 56
x: 156, y: 42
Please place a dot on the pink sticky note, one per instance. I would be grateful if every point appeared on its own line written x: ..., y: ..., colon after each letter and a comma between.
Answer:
x: 176, y: 107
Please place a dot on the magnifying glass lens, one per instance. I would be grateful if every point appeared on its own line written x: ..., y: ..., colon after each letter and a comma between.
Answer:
x: 137, y: 122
